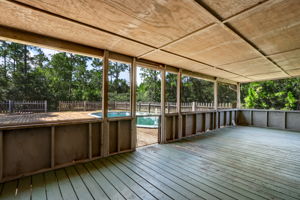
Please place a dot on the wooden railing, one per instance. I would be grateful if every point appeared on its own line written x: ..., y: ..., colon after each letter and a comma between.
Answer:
x: 23, y: 106
x: 150, y: 107
x: 79, y: 105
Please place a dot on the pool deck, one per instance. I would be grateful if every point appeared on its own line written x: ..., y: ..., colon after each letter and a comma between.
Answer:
x: 229, y: 163
x: 40, y: 118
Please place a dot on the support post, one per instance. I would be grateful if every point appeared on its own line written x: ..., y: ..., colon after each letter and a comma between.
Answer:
x: 133, y: 104
x: 1, y: 155
x: 216, y: 104
x: 105, y: 125
x: 162, y: 105
x: 238, y: 96
x: 52, y: 146
x: 178, y: 104
x: 90, y: 141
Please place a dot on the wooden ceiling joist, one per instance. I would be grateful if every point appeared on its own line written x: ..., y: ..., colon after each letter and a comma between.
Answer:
x: 24, y: 37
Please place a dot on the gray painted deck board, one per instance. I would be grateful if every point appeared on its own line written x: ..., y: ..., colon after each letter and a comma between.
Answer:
x: 65, y: 185
x: 230, y: 163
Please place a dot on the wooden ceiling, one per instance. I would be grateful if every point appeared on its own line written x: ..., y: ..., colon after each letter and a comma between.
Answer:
x: 238, y: 40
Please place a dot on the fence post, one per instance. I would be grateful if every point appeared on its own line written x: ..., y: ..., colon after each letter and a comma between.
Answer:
x: 10, y: 106
x: 84, y: 105
x: 149, y: 107
x: 45, y: 105
x: 193, y: 106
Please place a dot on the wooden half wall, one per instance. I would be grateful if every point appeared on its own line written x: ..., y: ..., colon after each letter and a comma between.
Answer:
x: 277, y: 119
x: 31, y: 149
x: 194, y: 123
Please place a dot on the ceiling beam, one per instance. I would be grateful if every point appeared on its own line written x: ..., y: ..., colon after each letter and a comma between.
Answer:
x: 237, y: 34
x: 28, y: 38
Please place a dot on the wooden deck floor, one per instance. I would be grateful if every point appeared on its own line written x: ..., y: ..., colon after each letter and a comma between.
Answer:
x: 230, y: 163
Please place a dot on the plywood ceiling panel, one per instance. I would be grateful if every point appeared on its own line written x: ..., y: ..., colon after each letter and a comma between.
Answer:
x: 275, y: 75
x: 155, y: 22
x: 240, y: 79
x: 274, y: 29
x: 19, y: 17
x: 251, y: 67
x: 294, y: 72
x: 214, y: 46
x: 288, y: 60
x: 218, y: 73
x: 154, y: 28
x: 228, y: 8
x: 174, y: 60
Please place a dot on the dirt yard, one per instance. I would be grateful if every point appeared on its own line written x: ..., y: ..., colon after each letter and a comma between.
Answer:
x: 146, y: 136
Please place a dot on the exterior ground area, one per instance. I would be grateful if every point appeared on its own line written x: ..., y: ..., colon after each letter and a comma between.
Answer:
x: 146, y: 136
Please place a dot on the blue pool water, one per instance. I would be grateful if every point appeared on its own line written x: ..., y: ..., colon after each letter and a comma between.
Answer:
x: 142, y: 121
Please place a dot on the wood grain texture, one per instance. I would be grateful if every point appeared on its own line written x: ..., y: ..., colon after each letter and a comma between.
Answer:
x: 274, y: 28
x: 213, y: 45
x: 153, y: 22
x: 22, y: 18
x: 228, y: 8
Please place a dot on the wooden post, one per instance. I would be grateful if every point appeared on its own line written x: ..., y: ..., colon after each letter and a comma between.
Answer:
x: 52, y: 146
x: 133, y: 104
x: 1, y: 155
x: 162, y: 99
x: 90, y: 141
x: 238, y: 96
x: 178, y: 103
x: 216, y: 118
x: 105, y: 125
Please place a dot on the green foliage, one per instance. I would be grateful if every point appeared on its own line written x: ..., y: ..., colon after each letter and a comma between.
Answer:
x: 149, y: 89
x: 26, y: 73
x: 278, y: 94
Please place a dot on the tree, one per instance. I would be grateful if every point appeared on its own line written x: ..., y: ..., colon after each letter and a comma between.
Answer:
x: 149, y: 89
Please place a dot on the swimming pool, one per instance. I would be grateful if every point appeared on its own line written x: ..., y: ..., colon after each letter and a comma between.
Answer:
x: 142, y: 121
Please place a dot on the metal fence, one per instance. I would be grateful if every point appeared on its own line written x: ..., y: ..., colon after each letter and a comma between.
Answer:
x: 20, y: 107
